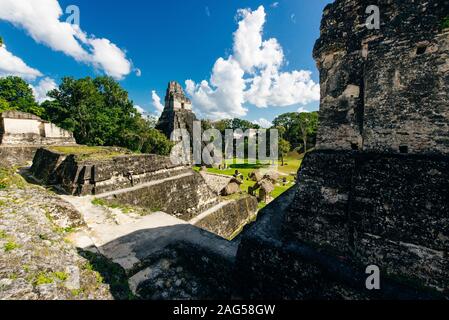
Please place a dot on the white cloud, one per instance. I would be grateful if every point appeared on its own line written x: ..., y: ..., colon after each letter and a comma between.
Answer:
x: 10, y: 65
x: 156, y: 102
x: 41, y: 19
x: 207, y: 11
x: 264, y: 123
x: 140, y: 109
x: 108, y: 57
x: 303, y: 110
x: 44, y: 86
x: 138, y: 72
x: 251, y: 74
x: 274, y: 5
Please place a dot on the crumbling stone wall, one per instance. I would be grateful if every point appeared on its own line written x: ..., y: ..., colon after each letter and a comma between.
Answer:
x: 177, y: 112
x: 19, y: 128
x: 384, y: 90
x: 376, y: 190
x: 231, y: 216
x: 184, y: 196
x: 83, y: 177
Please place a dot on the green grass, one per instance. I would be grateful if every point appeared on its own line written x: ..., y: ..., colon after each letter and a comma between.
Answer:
x: 60, y: 275
x: 292, y: 162
x: 124, y: 208
x: 445, y: 23
x: 91, y: 153
x: 43, y: 278
x: 10, y: 246
x: 10, y: 178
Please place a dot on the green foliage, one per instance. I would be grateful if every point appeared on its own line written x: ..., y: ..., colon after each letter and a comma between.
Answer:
x: 16, y: 94
x: 445, y: 23
x: 1, y: 41
x: 43, y: 278
x: 60, y: 275
x: 10, y: 246
x: 284, y: 148
x: 3, y: 234
x: 4, y: 105
x: 233, y: 124
x: 100, y: 113
x: 99, y: 202
x: 299, y: 129
x: 10, y: 178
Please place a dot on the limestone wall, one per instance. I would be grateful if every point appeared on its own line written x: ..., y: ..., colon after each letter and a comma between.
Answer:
x: 226, y: 219
x: 376, y: 191
x: 19, y: 128
x: 384, y: 90
x: 82, y: 177
x: 183, y: 196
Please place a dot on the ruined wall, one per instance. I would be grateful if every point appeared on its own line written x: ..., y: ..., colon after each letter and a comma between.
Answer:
x: 185, y: 196
x: 232, y: 215
x: 16, y: 155
x: 376, y: 190
x: 177, y: 112
x: 83, y: 177
x: 384, y: 90
x: 19, y: 128
x: 390, y: 211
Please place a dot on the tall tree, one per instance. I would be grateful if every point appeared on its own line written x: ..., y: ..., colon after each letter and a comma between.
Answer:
x: 99, y: 112
x: 308, y: 126
x: 284, y: 148
x: 300, y: 128
x: 18, y: 95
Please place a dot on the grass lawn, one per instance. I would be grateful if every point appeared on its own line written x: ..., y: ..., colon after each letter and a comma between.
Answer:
x: 291, y: 166
x: 91, y: 153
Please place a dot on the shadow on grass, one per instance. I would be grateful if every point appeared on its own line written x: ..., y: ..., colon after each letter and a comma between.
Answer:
x: 247, y: 166
x: 112, y: 274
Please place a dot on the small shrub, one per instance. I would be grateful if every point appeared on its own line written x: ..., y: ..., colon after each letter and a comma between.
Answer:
x: 99, y: 202
x: 10, y: 246
x: 76, y: 292
x: 43, y: 278
x: 60, y: 275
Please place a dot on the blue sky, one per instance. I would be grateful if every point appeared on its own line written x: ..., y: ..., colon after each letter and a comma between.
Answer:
x: 174, y: 40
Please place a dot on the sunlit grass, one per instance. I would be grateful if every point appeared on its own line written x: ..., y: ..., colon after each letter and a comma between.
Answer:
x: 292, y: 162
x: 91, y: 153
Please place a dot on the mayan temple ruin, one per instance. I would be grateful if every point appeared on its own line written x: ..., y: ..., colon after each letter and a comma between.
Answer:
x: 375, y: 192
x: 177, y: 112
x: 372, y: 194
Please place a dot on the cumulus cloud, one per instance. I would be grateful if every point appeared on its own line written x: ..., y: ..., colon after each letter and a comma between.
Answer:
x: 41, y: 19
x: 140, y: 109
x: 263, y: 123
x: 43, y: 87
x: 10, y: 65
x: 156, y: 102
x: 303, y: 110
x: 251, y: 74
